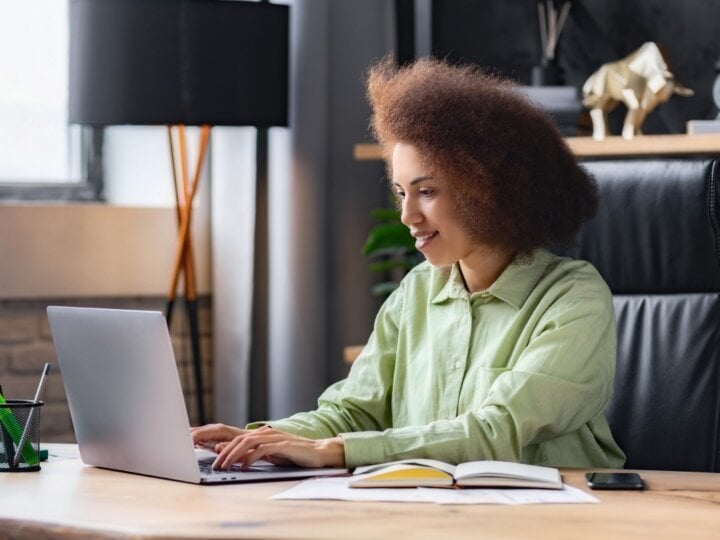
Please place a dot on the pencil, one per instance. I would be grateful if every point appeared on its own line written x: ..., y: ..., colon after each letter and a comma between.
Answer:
x: 28, y: 422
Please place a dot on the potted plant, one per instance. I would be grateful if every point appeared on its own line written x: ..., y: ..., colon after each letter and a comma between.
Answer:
x: 391, y: 249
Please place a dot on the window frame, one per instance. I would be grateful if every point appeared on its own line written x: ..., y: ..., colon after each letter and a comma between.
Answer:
x: 76, y: 186
x: 89, y: 189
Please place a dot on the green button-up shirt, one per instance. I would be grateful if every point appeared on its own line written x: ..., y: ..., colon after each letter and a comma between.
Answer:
x: 519, y: 372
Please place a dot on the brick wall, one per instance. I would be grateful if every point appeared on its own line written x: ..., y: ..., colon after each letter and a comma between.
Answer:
x: 26, y: 344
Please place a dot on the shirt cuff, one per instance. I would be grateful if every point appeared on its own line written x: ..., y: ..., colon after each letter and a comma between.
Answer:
x: 363, y: 448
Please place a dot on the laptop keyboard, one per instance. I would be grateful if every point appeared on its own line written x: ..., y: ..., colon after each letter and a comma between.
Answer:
x: 206, y: 467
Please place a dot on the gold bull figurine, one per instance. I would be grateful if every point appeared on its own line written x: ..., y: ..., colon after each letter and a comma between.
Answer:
x: 641, y: 81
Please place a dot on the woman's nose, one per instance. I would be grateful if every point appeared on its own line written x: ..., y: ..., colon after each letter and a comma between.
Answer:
x: 410, y: 214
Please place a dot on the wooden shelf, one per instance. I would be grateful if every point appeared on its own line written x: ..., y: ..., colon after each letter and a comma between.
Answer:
x: 586, y: 147
x: 367, y: 152
x: 646, y: 145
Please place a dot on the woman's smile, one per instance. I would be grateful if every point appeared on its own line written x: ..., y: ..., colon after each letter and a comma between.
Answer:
x: 423, y: 238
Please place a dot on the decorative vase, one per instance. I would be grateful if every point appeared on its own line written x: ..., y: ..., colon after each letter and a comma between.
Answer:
x: 546, y: 74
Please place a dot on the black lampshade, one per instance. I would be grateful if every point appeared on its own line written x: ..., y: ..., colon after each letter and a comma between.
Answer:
x: 193, y: 62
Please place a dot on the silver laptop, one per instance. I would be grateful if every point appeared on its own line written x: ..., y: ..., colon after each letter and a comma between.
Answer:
x: 126, y: 401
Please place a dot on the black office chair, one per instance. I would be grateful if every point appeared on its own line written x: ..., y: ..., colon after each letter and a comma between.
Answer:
x: 656, y: 241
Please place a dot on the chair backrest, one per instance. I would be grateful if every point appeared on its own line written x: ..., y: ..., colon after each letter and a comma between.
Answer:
x: 656, y: 241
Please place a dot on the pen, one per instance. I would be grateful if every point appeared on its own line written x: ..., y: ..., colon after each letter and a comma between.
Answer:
x: 7, y: 441
x: 28, y: 422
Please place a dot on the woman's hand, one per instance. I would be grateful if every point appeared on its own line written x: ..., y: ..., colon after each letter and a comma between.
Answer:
x: 211, y: 435
x: 243, y: 446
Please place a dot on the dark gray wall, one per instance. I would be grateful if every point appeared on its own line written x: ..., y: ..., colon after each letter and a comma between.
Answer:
x: 360, y: 34
x: 503, y: 35
x: 319, y: 282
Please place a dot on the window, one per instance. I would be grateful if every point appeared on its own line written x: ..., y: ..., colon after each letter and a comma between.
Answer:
x: 42, y: 156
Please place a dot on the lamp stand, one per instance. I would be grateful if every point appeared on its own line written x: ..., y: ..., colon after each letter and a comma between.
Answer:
x: 184, y: 194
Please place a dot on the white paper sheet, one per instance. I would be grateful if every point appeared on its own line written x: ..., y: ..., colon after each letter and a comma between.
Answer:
x: 338, y: 489
x: 566, y: 495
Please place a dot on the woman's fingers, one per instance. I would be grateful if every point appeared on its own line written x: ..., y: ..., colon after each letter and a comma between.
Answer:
x: 235, y: 450
x: 248, y: 446
x: 300, y: 452
x: 214, y: 433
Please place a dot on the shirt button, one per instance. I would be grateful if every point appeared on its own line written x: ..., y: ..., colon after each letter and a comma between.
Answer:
x: 457, y: 364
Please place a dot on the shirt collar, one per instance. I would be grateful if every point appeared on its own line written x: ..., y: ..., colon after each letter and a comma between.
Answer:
x: 451, y: 284
x: 513, y: 286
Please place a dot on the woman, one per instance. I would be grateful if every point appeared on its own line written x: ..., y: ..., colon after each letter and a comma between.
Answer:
x: 493, y: 348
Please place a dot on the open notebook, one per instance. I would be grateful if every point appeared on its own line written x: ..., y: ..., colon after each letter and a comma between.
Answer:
x: 433, y: 473
x: 126, y: 402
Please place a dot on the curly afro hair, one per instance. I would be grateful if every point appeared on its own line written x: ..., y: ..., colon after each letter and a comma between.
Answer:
x: 516, y: 182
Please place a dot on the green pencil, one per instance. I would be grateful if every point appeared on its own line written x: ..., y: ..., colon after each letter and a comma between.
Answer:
x: 11, y: 425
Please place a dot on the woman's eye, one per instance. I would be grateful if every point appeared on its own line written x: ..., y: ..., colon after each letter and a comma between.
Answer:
x: 427, y: 192
x: 399, y: 195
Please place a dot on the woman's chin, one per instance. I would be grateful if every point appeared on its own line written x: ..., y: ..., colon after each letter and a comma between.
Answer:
x: 437, y: 261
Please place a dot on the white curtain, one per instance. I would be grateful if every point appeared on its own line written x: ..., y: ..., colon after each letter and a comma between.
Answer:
x: 319, y: 202
x: 232, y: 224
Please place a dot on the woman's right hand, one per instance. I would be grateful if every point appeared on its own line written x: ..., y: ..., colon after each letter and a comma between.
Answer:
x: 212, y: 435
x: 245, y: 446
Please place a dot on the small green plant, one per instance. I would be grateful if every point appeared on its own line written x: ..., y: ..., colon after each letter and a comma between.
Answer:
x: 391, y: 250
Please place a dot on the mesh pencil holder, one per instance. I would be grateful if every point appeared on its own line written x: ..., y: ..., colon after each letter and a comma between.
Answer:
x: 18, y: 417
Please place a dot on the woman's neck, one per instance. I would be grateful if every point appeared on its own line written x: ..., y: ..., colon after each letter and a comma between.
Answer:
x: 483, y: 266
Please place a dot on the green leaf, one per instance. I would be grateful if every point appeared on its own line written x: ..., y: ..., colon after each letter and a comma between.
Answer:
x: 385, y: 214
x: 391, y: 252
x: 384, y: 288
x: 388, y: 235
x: 390, y: 264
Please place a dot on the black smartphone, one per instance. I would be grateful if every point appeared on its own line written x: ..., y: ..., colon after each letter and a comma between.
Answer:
x: 602, y: 480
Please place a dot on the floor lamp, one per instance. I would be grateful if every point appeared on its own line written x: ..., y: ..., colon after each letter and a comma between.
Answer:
x: 179, y: 63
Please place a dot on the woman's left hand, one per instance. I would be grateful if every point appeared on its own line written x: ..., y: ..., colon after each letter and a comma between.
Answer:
x: 276, y: 447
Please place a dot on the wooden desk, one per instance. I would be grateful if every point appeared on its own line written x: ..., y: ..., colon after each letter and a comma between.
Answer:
x: 69, y: 500
x: 586, y: 147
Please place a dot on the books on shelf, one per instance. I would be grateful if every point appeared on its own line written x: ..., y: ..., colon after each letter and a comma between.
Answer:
x: 703, y: 127
x: 553, y: 97
x: 434, y: 473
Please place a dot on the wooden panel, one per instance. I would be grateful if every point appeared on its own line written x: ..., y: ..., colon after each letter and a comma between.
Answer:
x: 68, y: 250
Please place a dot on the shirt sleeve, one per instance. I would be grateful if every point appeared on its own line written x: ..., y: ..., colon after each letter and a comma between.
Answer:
x: 361, y: 402
x: 561, y: 381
